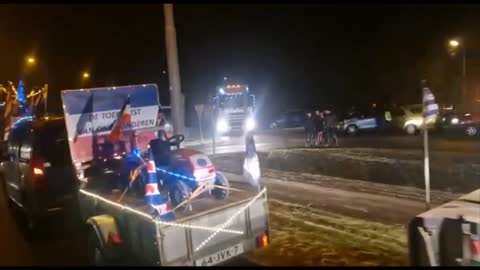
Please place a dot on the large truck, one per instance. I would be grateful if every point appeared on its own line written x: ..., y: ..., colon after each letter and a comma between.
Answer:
x: 235, y: 109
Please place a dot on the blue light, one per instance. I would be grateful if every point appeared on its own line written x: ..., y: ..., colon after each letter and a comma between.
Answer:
x: 23, y: 119
x: 176, y: 175
x: 21, y: 93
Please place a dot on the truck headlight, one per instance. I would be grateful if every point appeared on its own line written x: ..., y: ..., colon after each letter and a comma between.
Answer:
x: 222, y: 125
x: 250, y: 124
x: 454, y: 121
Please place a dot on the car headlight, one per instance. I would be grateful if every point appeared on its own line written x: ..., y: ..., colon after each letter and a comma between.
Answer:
x: 222, y: 125
x: 454, y: 121
x: 250, y: 124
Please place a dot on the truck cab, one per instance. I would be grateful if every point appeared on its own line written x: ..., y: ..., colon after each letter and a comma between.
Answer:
x: 235, y: 108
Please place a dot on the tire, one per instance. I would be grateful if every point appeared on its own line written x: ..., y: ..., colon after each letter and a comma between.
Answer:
x: 218, y: 193
x: 96, y: 256
x: 177, y: 193
x: 352, y: 130
x: 471, y: 131
x: 411, y: 129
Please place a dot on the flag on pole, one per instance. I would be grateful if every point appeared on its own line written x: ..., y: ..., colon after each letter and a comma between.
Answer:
x: 430, y: 108
x: 123, y: 118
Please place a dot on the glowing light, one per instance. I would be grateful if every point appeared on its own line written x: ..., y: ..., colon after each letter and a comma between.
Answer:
x: 454, y: 121
x: 126, y: 208
x: 86, y: 75
x: 221, y: 227
x: 222, y: 125
x: 454, y: 43
x: 250, y: 124
x: 31, y: 60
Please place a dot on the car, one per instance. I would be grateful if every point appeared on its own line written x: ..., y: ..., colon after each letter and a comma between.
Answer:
x: 358, y: 121
x: 36, y: 171
x: 289, y: 119
x: 408, y: 118
x: 460, y: 123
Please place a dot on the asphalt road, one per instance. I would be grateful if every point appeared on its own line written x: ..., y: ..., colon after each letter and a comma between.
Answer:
x: 63, y: 243
x: 291, y: 138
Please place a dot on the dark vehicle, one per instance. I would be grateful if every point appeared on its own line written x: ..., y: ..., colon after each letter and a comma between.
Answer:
x: 290, y: 119
x: 457, y: 123
x: 36, y: 171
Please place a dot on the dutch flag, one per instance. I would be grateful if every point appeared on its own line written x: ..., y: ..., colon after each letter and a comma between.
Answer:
x: 430, y: 108
x: 153, y: 196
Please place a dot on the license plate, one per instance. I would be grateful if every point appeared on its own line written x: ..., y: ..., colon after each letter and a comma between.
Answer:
x: 220, y: 256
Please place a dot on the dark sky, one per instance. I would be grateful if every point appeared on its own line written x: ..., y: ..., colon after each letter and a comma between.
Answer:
x: 291, y: 55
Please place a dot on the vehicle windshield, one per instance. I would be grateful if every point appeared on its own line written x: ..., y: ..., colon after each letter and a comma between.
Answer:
x: 233, y: 101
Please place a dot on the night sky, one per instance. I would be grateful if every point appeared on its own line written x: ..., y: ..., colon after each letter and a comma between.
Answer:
x: 292, y: 56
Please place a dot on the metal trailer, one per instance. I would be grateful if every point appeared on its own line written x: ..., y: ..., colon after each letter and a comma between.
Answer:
x: 213, y: 232
x: 448, y: 235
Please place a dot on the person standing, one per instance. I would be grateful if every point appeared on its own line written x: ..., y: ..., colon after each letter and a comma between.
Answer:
x: 319, y: 128
x: 330, y: 126
x: 309, y: 129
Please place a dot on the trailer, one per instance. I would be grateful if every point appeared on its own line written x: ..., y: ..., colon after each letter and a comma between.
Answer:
x: 125, y: 207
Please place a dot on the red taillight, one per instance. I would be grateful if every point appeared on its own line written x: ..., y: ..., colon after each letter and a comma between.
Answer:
x: 262, y: 240
x: 115, y: 238
x: 38, y: 177
x: 475, y: 248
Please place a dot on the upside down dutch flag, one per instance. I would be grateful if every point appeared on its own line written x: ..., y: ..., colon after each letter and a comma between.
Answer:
x: 124, y: 118
x: 153, y: 196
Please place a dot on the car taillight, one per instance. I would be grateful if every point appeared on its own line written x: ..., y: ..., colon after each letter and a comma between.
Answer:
x: 475, y: 249
x: 262, y: 240
x: 203, y: 173
x: 115, y: 238
x: 38, y: 178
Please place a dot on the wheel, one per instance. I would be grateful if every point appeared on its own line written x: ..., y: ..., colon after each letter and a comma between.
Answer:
x: 178, y: 192
x: 471, y: 131
x: 411, y: 129
x: 220, y: 193
x: 96, y: 256
x: 352, y: 130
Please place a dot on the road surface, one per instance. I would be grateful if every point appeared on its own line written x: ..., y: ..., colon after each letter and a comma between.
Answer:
x: 290, y: 138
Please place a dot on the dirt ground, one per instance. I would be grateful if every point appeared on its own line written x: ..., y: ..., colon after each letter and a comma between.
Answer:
x: 304, y: 236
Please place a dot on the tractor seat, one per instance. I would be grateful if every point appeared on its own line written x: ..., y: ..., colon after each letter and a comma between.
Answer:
x: 160, y: 150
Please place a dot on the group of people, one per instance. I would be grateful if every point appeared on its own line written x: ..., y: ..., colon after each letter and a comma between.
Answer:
x: 320, y: 129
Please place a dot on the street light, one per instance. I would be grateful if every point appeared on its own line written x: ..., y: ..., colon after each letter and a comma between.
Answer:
x: 453, y: 43
x: 86, y: 75
x: 31, y: 60
x: 453, y: 46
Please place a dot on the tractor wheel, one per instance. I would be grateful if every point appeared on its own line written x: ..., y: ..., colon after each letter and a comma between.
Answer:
x: 177, y: 193
x: 220, y: 193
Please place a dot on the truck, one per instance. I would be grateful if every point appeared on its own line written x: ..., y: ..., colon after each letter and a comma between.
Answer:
x: 114, y: 201
x: 235, y: 109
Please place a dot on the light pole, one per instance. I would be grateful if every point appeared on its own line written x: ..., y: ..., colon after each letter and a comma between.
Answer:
x: 453, y: 45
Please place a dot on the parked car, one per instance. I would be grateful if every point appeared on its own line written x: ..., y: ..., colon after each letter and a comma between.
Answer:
x: 460, y: 123
x: 289, y: 119
x: 36, y: 172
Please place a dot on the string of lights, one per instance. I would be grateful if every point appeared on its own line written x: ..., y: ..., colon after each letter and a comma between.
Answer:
x: 126, y: 208
x: 221, y: 227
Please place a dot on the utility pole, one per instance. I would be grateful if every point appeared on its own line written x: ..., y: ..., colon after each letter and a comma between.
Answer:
x: 177, y: 102
x: 464, y: 75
